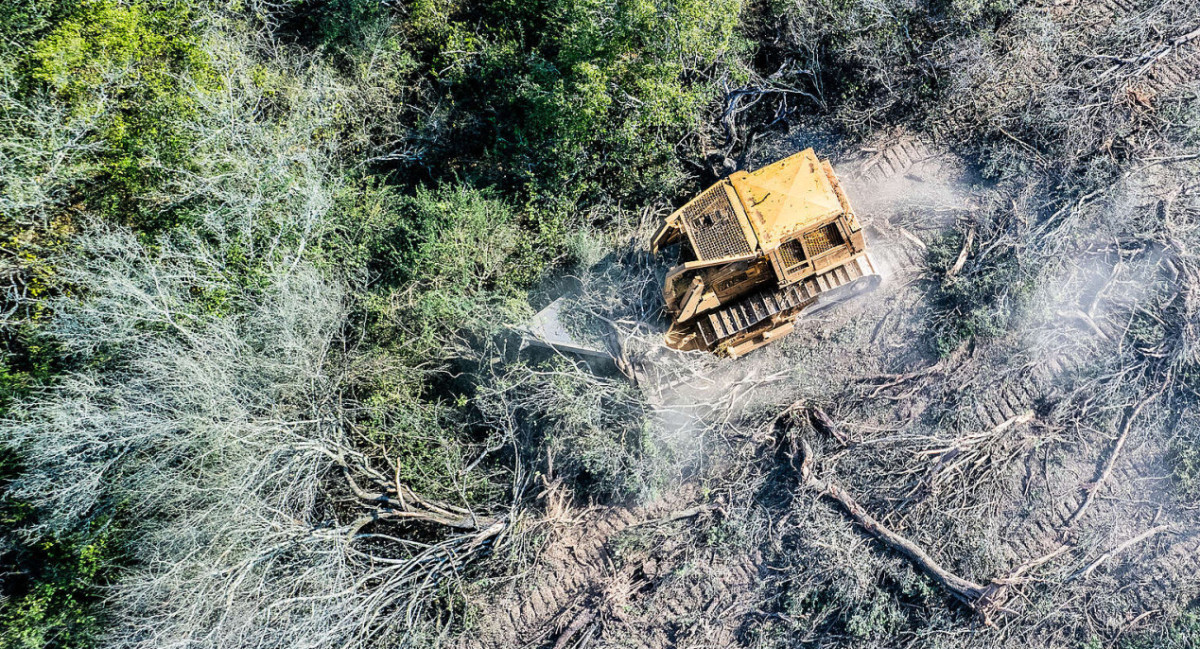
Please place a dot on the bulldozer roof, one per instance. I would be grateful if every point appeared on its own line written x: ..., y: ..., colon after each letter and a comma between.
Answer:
x: 757, y: 211
x: 786, y: 197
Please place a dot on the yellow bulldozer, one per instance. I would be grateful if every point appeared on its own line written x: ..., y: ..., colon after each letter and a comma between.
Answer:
x: 756, y: 249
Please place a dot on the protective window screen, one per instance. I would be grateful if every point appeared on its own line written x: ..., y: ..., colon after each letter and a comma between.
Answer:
x: 714, y: 226
x: 823, y: 239
x: 791, y: 253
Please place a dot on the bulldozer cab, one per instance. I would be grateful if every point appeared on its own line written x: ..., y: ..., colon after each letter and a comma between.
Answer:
x: 757, y: 248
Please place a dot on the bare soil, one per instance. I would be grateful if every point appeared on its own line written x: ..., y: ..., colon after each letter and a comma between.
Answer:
x: 970, y: 456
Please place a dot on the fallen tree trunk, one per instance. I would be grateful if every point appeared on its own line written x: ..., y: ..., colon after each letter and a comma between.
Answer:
x: 962, y: 255
x: 985, y: 600
x: 1091, y: 490
x: 824, y: 423
x: 578, y: 624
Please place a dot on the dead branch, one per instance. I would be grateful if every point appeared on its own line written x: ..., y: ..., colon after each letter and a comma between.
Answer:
x: 824, y: 423
x: 1087, y: 572
x: 739, y: 100
x: 968, y: 453
x: 395, y: 504
x: 913, y: 238
x: 1087, y: 320
x: 962, y: 255
x: 789, y: 411
x: 984, y: 600
x: 576, y: 625
x: 1092, y: 489
x: 677, y: 516
x: 894, y: 380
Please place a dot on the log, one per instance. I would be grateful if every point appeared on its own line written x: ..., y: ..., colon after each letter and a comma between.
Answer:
x: 985, y: 600
x: 677, y: 516
x: 824, y: 423
x: 962, y: 255
x: 1087, y: 572
x: 1095, y: 487
x: 578, y: 624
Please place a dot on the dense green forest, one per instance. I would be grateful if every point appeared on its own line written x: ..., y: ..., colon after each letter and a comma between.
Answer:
x: 262, y: 258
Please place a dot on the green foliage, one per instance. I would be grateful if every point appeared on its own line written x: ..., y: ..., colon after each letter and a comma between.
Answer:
x: 517, y: 117
x: 592, y: 431
x: 20, y: 20
x: 459, y: 243
x: 981, y: 301
x: 344, y: 24
x: 1181, y: 633
x: 439, y: 265
x: 115, y: 73
x: 60, y: 607
x: 727, y: 535
x: 452, y: 240
x: 425, y: 439
x: 53, y: 600
x: 879, y: 619
x: 25, y: 360
x: 596, y: 435
x: 579, y: 99
x: 871, y: 603
x: 976, y: 11
x: 126, y: 66
x: 444, y: 261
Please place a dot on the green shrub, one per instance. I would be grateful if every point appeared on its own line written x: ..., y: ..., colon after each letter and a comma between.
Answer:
x: 425, y: 437
x: 574, y: 100
x: 981, y: 301
x: 23, y: 20
x: 50, y: 596
x: 441, y: 262
x: 1181, y: 633
x: 438, y: 266
x: 125, y: 65
x: 60, y: 608
x: 592, y: 431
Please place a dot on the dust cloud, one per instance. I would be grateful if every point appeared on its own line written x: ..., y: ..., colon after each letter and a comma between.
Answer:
x: 698, y: 399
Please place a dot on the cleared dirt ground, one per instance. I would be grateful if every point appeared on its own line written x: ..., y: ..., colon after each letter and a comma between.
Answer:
x: 1037, y: 464
x: 1000, y: 460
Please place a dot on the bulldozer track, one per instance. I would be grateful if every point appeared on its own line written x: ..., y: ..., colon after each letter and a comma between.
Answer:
x: 1008, y: 403
x: 1152, y: 583
x: 705, y: 607
x: 578, y: 570
x: 1097, y: 13
x: 1037, y: 533
x: 533, y: 609
x: 1178, y: 68
x: 1172, y: 576
x: 661, y: 595
x: 745, y: 314
x: 749, y: 312
x: 903, y: 157
x: 1043, y: 529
